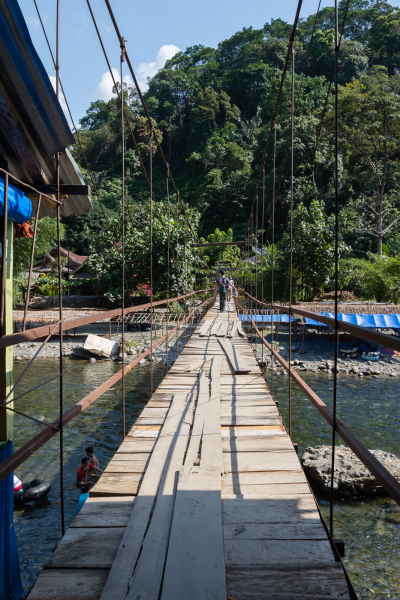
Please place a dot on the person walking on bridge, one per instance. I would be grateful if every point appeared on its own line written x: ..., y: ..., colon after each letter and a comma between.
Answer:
x: 221, y: 285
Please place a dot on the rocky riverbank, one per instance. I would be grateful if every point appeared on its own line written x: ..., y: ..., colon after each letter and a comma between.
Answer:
x: 73, y: 349
x: 314, y: 362
x: 351, y: 477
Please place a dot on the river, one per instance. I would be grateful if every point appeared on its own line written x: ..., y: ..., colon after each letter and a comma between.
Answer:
x: 369, y: 407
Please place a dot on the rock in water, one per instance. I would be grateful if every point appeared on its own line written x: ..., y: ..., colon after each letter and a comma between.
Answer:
x: 351, y: 477
x: 100, y: 346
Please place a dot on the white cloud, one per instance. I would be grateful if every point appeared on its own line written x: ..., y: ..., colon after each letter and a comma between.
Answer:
x: 62, y: 99
x: 104, y: 91
x: 34, y: 21
x: 149, y: 69
x: 143, y: 71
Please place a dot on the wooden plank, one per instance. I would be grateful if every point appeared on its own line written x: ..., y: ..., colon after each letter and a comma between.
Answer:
x: 151, y: 412
x: 138, y: 456
x: 285, y: 509
x: 126, y: 466
x: 271, y: 489
x: 199, y: 365
x: 140, y: 445
x: 223, y: 330
x: 214, y: 329
x: 266, y: 444
x: 205, y: 327
x: 261, y: 461
x: 243, y: 411
x: 147, y: 576
x: 232, y: 421
x: 296, y: 584
x: 236, y: 360
x: 78, y: 543
x: 116, y: 587
x: 259, y: 430
x: 69, y: 584
x: 233, y: 329
x: 211, y: 446
x: 272, y: 531
x: 113, y: 484
x: 195, y: 566
x: 264, y: 478
x: 198, y: 424
x: 104, y: 514
x: 293, y: 554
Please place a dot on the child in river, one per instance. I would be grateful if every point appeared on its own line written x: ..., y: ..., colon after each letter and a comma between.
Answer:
x: 85, y: 470
x: 91, y: 456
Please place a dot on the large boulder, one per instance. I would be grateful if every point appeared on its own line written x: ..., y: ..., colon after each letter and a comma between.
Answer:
x: 351, y: 477
x: 99, y: 346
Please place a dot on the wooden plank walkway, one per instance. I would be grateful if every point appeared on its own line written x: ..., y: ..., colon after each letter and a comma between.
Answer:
x: 204, y: 499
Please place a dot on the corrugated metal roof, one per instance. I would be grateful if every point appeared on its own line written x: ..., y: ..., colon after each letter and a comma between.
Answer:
x: 33, y: 127
x: 371, y: 321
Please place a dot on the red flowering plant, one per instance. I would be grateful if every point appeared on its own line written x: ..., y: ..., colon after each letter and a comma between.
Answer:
x: 142, y: 289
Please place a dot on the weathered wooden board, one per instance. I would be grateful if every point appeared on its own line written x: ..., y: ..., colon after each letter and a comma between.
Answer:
x: 204, y: 329
x: 136, y: 445
x: 223, y: 330
x: 117, y: 584
x: 78, y: 543
x: 266, y: 444
x: 261, y: 461
x: 145, y: 432
x: 104, y: 514
x: 227, y: 431
x: 195, y: 566
x: 69, y: 584
x: 273, y: 531
x: 211, y: 446
x: 232, y: 421
x: 254, y: 490
x: 264, y: 478
x: 285, y: 509
x: 244, y: 411
x: 113, y: 484
x: 147, y: 576
x: 154, y: 412
x: 198, y: 423
x: 281, y: 553
x: 297, y: 584
x: 130, y: 455
x: 126, y: 466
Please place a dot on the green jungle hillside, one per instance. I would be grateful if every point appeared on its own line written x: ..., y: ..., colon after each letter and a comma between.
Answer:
x: 212, y: 108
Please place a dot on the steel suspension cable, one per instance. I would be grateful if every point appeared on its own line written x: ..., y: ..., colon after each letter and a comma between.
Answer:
x: 273, y: 119
x: 70, y: 115
x: 149, y: 117
x: 272, y: 264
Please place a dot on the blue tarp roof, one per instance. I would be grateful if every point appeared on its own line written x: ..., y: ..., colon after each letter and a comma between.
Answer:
x: 267, y: 318
x: 370, y: 321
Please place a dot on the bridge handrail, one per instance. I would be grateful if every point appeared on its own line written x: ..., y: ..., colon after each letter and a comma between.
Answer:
x: 383, y: 339
x: 39, y: 332
x: 25, y: 451
x: 390, y: 483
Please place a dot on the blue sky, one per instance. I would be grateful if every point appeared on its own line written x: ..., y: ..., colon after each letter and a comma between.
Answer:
x: 154, y: 31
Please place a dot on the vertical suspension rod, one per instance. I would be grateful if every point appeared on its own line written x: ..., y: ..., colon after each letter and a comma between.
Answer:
x: 336, y: 332
x: 291, y: 239
x: 123, y: 235
x: 60, y: 284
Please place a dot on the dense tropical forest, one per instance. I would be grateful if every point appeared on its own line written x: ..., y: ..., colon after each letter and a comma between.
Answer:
x: 212, y: 108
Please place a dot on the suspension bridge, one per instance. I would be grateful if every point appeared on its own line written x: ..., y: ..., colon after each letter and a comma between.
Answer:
x: 205, y: 497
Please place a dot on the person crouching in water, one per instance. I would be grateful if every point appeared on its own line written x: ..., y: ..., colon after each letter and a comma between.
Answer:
x: 85, y: 470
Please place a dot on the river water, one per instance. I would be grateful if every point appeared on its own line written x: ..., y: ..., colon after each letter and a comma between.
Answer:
x: 369, y: 407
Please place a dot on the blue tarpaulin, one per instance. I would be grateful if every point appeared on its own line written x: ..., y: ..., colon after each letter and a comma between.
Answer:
x: 267, y: 318
x: 19, y: 206
x: 10, y: 580
x: 370, y: 321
